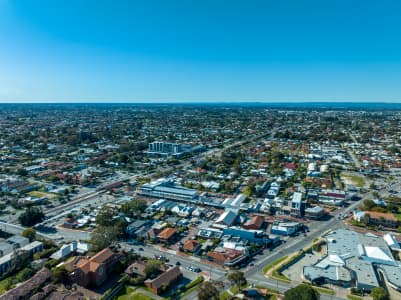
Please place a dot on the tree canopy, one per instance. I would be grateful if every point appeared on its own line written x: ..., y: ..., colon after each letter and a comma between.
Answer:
x: 29, y: 233
x: 31, y: 216
x: 208, y: 291
x: 301, y: 292
x: 237, y: 278
x: 134, y: 208
x: 104, y: 236
x: 152, y: 267
x: 378, y: 293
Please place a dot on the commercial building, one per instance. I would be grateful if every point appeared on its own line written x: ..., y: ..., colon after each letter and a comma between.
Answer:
x: 354, y: 260
x: 165, y: 148
x: 332, y: 197
x: 297, y: 205
x: 172, y: 149
x: 285, y: 228
x: 228, y: 218
x: 166, y: 189
x: 315, y: 212
x: 8, y: 260
x: 253, y: 236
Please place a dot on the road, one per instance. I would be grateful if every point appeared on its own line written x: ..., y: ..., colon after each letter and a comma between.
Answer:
x: 254, y: 274
x: 185, y: 261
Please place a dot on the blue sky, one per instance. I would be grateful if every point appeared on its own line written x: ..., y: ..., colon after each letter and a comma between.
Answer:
x: 169, y: 51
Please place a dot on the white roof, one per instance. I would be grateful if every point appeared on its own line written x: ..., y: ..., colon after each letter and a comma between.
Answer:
x: 336, y: 259
x: 377, y: 253
x: 297, y: 197
x: 391, y: 241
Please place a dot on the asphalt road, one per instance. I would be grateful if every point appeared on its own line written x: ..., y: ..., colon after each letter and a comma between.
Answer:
x: 206, y: 270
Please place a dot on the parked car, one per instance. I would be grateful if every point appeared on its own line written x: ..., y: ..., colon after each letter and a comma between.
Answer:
x: 193, y: 268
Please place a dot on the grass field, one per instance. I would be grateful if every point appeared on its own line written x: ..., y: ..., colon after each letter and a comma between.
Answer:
x: 354, y: 297
x: 3, y: 284
x: 38, y: 194
x: 323, y: 290
x: 354, y: 179
x: 135, y: 296
x: 273, y: 264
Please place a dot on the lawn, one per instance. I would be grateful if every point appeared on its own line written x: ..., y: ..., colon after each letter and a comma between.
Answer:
x: 273, y: 264
x: 279, y: 276
x: 4, y: 284
x: 354, y: 297
x: 323, y: 290
x: 135, y: 296
x: 126, y: 293
x: 356, y: 180
x: 225, y: 295
x: 38, y: 194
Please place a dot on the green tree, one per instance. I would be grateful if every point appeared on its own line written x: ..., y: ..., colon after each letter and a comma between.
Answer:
x: 378, y: 293
x: 134, y: 208
x: 368, y: 204
x: 60, y: 275
x: 31, y: 216
x: 29, y: 233
x: 105, y: 217
x: 208, y: 291
x: 104, y: 236
x: 152, y: 267
x: 22, y: 172
x: 237, y: 278
x: 301, y: 292
x: 24, y: 274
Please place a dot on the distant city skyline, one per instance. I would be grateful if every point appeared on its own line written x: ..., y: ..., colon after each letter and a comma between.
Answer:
x: 200, y: 51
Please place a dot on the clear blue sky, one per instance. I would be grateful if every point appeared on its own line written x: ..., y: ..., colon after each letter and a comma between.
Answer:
x: 189, y: 50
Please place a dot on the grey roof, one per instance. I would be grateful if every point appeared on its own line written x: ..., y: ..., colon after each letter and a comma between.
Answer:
x: 364, y: 272
x: 334, y: 273
x: 17, y: 239
x: 358, y: 253
x: 6, y: 248
x: 315, y: 209
x: 174, y: 190
x: 138, y: 224
x: 227, y: 218
x: 393, y: 274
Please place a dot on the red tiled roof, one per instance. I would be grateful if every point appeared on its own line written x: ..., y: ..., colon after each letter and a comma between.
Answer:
x: 102, y: 256
x: 378, y: 215
x: 165, y: 278
x: 227, y: 255
x: 256, y: 221
x: 190, y: 245
x: 166, y: 233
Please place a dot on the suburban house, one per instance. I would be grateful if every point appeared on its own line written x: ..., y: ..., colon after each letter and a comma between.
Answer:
x: 167, y: 235
x: 164, y: 280
x: 192, y: 246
